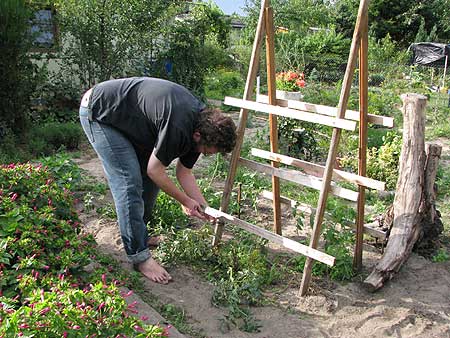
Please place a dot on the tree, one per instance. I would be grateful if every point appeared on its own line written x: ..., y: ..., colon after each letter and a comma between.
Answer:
x: 105, y: 38
x: 191, y: 46
x: 401, y: 19
x: 17, y: 71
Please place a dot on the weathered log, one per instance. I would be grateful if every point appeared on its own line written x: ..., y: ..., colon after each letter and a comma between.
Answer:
x: 409, y: 197
x: 428, y: 242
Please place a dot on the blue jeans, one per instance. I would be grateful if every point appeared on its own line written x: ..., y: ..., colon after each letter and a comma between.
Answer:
x: 129, y: 187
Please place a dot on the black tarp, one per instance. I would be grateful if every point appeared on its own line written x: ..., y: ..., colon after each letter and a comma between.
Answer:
x: 430, y: 54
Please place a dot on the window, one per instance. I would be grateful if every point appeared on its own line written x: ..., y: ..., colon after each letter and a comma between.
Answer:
x: 44, y: 30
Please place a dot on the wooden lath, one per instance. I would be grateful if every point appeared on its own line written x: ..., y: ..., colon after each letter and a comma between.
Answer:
x: 283, y: 241
x: 291, y: 113
x: 353, y: 115
x: 317, y: 170
x: 307, y: 209
x: 297, y: 177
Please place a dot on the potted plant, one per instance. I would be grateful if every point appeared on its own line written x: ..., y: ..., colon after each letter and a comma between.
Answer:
x: 289, y: 85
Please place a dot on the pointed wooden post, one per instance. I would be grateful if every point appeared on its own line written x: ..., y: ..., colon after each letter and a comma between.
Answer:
x: 362, y: 165
x: 248, y: 92
x: 271, y: 87
x: 326, y: 180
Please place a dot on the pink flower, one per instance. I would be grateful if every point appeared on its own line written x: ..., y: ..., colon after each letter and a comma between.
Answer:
x: 104, y: 279
x: 138, y: 328
x: 76, y: 327
x: 45, y: 310
x: 14, y: 197
x: 127, y: 294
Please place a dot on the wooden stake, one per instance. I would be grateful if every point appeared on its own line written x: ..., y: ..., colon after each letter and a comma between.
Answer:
x: 271, y: 87
x: 248, y: 92
x: 362, y: 164
x: 345, y: 93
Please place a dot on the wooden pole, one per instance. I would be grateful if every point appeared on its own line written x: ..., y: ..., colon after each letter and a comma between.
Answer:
x: 362, y: 165
x: 271, y: 87
x: 248, y: 92
x: 343, y: 100
x: 445, y: 71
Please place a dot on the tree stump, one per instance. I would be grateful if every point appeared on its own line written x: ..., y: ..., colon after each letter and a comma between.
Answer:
x: 413, y: 213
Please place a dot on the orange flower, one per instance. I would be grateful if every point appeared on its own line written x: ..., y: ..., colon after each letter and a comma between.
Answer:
x: 301, y: 83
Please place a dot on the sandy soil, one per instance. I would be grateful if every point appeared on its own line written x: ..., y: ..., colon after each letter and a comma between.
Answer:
x: 415, y: 303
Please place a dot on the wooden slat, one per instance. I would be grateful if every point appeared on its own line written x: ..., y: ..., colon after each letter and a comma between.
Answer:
x: 273, y: 124
x: 307, y: 209
x: 285, y: 242
x: 292, y: 113
x: 363, y: 137
x: 299, y: 178
x: 335, y: 137
x: 353, y: 115
x: 243, y: 115
x: 317, y: 170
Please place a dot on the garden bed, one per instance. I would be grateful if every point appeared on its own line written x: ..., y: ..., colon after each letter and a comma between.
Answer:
x: 415, y: 303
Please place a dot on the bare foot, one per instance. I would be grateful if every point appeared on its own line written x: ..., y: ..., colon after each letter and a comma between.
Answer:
x: 154, y: 241
x: 153, y: 271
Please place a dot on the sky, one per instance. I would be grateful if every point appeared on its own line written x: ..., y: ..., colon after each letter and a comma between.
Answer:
x: 231, y: 6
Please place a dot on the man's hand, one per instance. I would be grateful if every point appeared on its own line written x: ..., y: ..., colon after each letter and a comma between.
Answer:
x: 197, y: 210
x: 193, y: 208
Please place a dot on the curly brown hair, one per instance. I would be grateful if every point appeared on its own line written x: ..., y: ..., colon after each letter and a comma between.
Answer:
x: 216, y: 130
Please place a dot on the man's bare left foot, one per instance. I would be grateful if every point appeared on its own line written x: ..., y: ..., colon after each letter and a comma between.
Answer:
x: 153, y: 271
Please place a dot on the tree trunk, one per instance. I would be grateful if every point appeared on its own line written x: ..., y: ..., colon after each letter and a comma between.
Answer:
x: 413, y: 202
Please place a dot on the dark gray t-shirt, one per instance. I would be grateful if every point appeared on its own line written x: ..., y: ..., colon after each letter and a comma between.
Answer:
x: 153, y: 114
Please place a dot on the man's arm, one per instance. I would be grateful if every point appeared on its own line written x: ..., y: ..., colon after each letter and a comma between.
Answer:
x: 157, y: 173
x: 189, y: 184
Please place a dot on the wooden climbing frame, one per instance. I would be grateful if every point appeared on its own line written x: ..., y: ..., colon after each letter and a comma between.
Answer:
x: 312, y: 175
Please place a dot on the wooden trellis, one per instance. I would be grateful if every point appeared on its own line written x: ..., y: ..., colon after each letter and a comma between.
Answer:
x: 312, y: 175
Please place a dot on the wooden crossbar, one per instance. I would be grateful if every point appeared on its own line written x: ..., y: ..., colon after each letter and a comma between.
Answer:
x: 317, y: 170
x: 299, y: 178
x: 307, y: 209
x: 285, y: 242
x: 291, y: 113
x: 353, y: 115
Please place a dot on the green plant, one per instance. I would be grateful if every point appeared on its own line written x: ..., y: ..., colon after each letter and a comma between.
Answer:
x: 65, y: 311
x: 239, y: 268
x: 223, y: 82
x: 441, y: 256
x: 338, y: 243
x: 382, y: 162
x: 44, y: 290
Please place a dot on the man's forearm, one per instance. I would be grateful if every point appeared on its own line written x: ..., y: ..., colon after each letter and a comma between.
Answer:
x: 189, y: 184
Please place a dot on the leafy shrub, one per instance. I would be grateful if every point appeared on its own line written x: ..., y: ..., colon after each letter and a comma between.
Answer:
x: 376, y: 79
x: 45, y: 139
x: 298, y: 139
x: 382, y: 162
x: 223, y: 82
